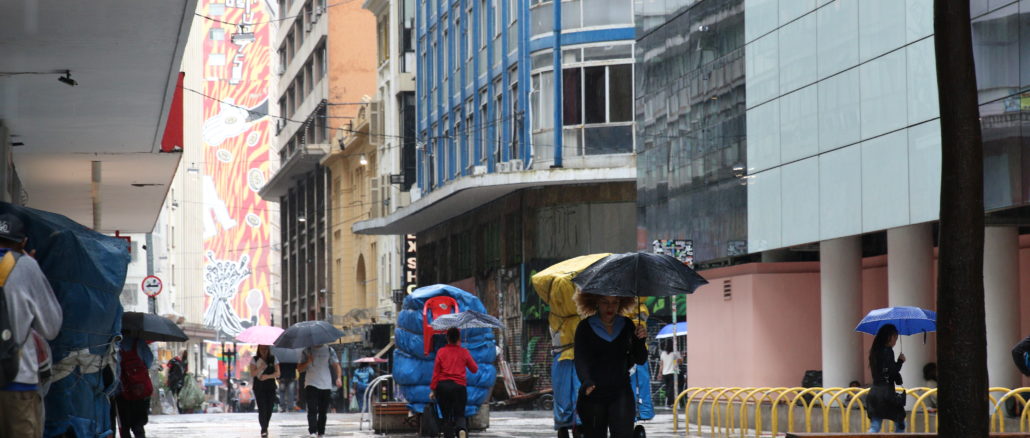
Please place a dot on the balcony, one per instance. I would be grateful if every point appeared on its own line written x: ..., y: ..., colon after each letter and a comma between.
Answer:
x: 303, y: 160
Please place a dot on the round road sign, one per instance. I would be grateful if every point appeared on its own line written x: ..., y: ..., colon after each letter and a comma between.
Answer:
x: 151, y: 286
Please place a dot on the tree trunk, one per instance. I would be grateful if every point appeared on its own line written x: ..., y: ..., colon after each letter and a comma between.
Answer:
x: 961, y: 340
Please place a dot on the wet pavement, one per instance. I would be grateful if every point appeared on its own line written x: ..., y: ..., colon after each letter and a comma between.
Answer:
x: 503, y: 424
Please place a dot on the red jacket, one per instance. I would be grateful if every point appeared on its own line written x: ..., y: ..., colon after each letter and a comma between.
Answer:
x: 451, y: 361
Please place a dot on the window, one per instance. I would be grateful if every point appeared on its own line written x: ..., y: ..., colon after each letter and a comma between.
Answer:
x: 597, y: 94
x: 470, y: 50
x: 383, y: 38
x: 516, y: 120
x: 469, y: 124
x: 484, y: 120
x: 495, y: 5
x: 498, y: 122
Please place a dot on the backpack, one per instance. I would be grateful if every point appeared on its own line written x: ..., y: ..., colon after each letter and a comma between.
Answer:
x: 175, y: 375
x: 10, y: 348
x: 135, y: 377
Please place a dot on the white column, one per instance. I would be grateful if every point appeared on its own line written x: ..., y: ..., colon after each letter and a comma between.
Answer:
x: 1001, y: 299
x: 840, y: 281
x: 910, y: 283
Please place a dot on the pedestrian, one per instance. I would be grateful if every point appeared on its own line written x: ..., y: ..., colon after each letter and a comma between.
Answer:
x: 31, y: 306
x: 318, y: 363
x: 883, y: 402
x: 448, y: 386
x: 930, y: 378
x: 176, y: 376
x: 607, y: 346
x: 287, y: 386
x: 265, y: 370
x: 1021, y: 356
x: 359, y: 383
x: 133, y: 398
x: 670, y: 365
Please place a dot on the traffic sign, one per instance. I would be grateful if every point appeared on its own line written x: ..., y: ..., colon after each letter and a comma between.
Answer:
x: 151, y: 286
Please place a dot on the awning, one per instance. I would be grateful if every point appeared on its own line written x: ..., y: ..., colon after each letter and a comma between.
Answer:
x: 384, y: 350
x: 468, y: 193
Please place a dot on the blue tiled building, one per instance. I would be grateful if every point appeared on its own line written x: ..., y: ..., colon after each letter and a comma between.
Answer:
x: 487, y: 98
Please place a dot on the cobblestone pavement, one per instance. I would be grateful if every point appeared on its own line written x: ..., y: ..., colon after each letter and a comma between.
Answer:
x: 503, y: 424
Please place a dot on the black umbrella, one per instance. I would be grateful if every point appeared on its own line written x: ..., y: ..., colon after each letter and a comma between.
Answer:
x: 150, y: 327
x: 638, y: 274
x: 287, y: 355
x: 308, y: 334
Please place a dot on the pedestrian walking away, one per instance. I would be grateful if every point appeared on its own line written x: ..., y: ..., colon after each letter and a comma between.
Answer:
x: 265, y: 370
x: 607, y: 346
x: 449, y: 386
x: 132, y: 400
x: 27, y: 304
x: 362, y: 377
x: 177, y: 369
x: 670, y: 366
x: 316, y: 364
x: 287, y: 387
x: 883, y: 402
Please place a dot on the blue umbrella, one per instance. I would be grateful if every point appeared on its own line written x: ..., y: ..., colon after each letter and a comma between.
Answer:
x: 211, y: 381
x: 667, y: 331
x: 908, y: 320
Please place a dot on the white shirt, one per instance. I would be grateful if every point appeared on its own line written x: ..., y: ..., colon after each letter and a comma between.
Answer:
x: 318, y: 374
x: 669, y: 362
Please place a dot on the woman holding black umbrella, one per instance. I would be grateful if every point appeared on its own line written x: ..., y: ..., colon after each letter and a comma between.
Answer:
x: 884, y: 402
x: 607, y: 346
x: 265, y: 370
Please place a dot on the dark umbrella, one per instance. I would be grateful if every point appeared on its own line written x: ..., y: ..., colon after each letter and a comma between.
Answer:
x: 638, y: 274
x: 287, y: 355
x: 466, y: 319
x: 308, y: 334
x: 150, y: 327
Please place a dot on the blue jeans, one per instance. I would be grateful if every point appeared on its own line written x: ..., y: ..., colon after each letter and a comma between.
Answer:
x: 876, y: 423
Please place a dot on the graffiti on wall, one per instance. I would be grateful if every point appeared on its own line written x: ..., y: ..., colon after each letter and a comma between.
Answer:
x: 236, y: 134
x: 682, y: 249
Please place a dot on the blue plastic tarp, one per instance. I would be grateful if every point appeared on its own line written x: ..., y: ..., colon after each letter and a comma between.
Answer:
x: 565, y: 384
x: 413, y: 370
x: 641, y: 382
x: 87, y: 271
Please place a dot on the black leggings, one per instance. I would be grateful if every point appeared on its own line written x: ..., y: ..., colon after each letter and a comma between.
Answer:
x: 608, y: 414
x: 452, y: 398
x: 132, y: 416
x: 316, y: 401
x: 265, y: 398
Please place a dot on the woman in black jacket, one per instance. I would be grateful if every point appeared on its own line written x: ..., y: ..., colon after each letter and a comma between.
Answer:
x: 265, y: 370
x: 884, y: 402
x: 607, y: 346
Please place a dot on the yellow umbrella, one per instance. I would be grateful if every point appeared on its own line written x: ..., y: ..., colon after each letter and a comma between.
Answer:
x: 555, y: 287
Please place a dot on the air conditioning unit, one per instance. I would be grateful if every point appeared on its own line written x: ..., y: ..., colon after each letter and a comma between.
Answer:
x: 315, y: 13
x: 280, y: 70
x: 515, y: 165
x: 478, y: 170
x: 503, y: 167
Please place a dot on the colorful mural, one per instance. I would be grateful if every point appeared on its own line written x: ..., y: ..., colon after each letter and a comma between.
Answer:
x: 236, y: 136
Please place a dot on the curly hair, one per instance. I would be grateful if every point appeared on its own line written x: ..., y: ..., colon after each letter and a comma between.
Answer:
x: 586, y: 304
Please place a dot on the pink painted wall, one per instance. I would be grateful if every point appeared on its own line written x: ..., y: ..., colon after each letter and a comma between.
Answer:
x: 749, y: 339
x: 768, y: 332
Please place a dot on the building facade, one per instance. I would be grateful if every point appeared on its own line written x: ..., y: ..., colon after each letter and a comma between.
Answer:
x: 500, y: 192
x: 325, y: 66
x: 804, y: 142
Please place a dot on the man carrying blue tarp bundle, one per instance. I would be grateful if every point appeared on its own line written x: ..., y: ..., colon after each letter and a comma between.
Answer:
x: 30, y: 305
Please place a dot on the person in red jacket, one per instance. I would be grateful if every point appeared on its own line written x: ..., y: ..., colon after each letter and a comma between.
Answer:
x: 448, y: 385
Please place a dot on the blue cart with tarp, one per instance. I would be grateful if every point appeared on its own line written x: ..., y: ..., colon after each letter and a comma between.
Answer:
x: 417, y: 343
x: 555, y: 287
x: 86, y: 270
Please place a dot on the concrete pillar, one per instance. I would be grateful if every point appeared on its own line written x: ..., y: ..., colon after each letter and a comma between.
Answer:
x: 1001, y: 299
x: 910, y: 283
x: 840, y: 281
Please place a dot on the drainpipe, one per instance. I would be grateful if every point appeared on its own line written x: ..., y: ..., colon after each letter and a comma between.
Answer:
x: 558, y: 131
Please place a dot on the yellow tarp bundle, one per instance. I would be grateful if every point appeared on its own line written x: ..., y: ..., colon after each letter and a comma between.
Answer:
x: 555, y: 287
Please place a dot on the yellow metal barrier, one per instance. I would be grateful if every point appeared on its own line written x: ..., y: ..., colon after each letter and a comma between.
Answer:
x: 726, y: 418
x: 1000, y: 406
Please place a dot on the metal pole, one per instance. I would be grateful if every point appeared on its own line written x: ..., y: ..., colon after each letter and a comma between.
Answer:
x: 151, y: 301
x: 675, y: 349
